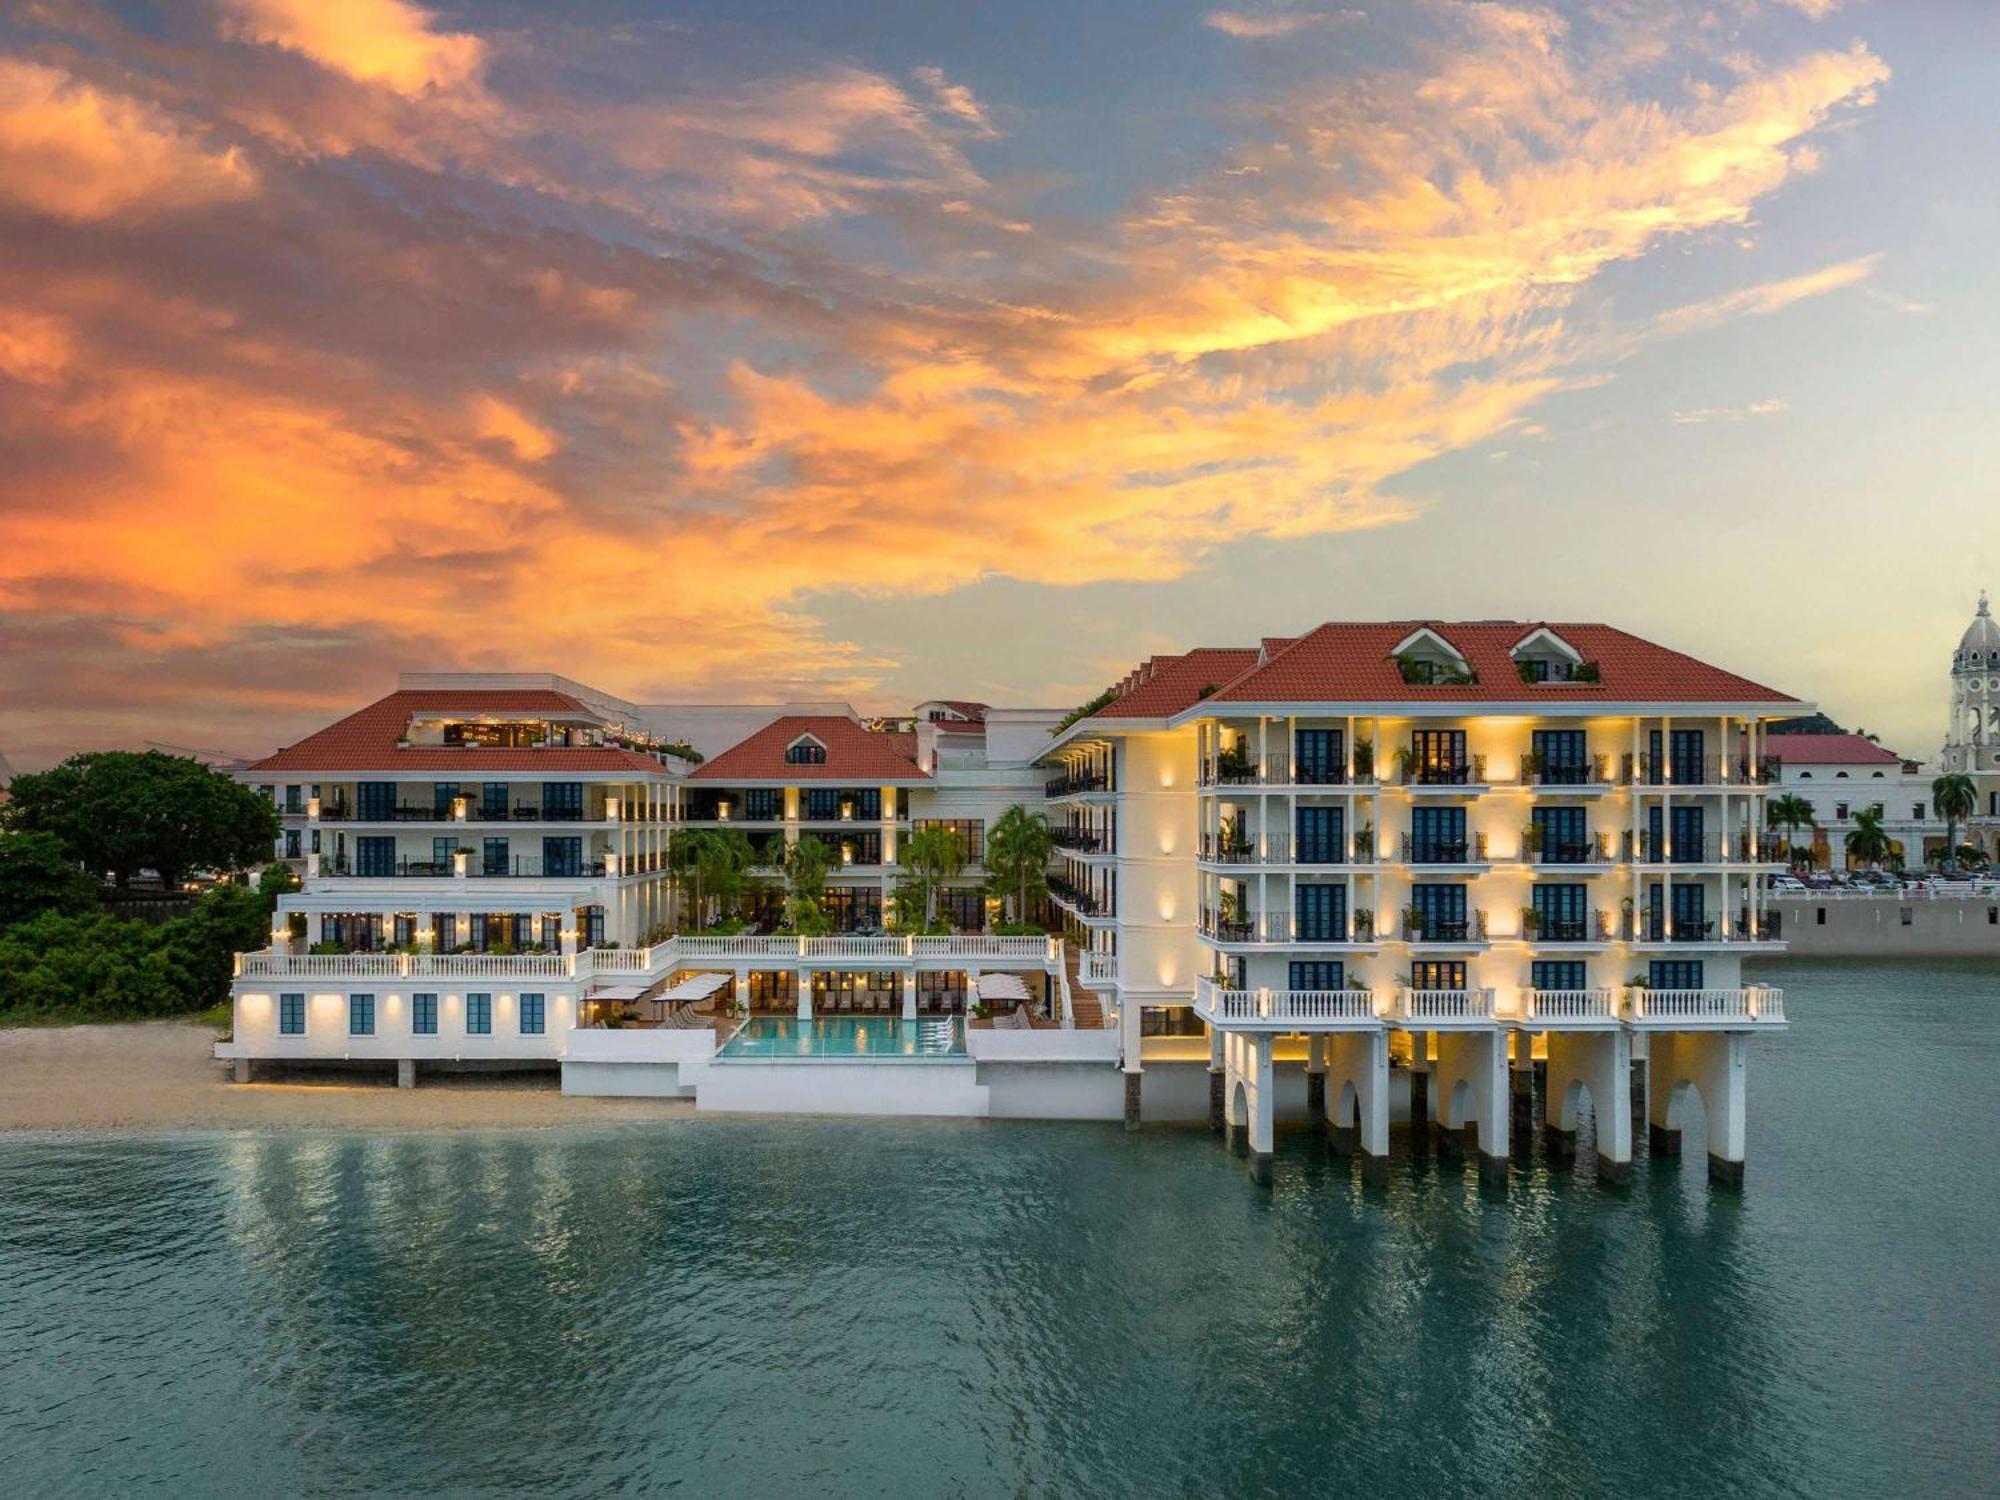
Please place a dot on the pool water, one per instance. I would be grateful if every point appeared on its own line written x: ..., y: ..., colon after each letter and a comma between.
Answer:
x: 846, y: 1038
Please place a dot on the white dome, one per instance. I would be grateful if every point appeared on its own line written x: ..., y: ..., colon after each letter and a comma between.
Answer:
x: 1980, y: 645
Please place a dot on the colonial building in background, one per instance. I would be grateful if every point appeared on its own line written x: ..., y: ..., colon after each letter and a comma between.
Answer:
x: 1972, y: 740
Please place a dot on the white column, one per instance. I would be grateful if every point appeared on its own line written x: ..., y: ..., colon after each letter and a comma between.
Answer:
x: 805, y: 978
x: 1597, y: 1065
x: 910, y: 995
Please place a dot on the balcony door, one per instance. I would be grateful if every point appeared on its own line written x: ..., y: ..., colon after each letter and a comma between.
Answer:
x: 1564, y: 756
x: 1564, y: 911
x: 1318, y: 974
x: 1319, y: 756
x: 1439, y: 753
x: 1558, y: 974
x: 1321, y: 835
x: 1437, y: 835
x: 1436, y: 974
x: 562, y: 857
x: 1442, y: 908
x: 1322, y: 914
x: 375, y: 801
x: 375, y: 856
x: 1565, y: 834
x: 1674, y: 974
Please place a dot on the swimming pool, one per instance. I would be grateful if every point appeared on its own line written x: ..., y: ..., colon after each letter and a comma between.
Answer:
x: 846, y: 1039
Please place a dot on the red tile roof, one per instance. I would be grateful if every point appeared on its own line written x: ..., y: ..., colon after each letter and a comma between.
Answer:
x: 366, y: 740
x: 853, y: 754
x: 1164, y: 685
x: 1829, y: 750
x: 1354, y: 663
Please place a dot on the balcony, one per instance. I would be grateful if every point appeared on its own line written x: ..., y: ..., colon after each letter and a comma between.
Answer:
x: 1659, y: 927
x: 1539, y: 928
x: 1467, y: 775
x: 1719, y: 1010
x: 1075, y: 784
x: 1461, y: 853
x: 1570, y: 1007
x: 1097, y: 968
x: 1595, y: 776
x: 1078, y: 900
x: 1445, y: 1007
x: 1078, y: 840
x: 1276, y: 929
x: 1420, y: 930
x: 1306, y: 1010
x: 521, y: 868
x: 1721, y: 771
x: 1230, y: 848
x: 1709, y: 849
x: 520, y: 812
x: 1277, y: 769
x: 1539, y: 850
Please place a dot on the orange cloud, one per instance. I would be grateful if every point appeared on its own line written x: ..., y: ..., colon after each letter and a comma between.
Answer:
x: 633, y: 383
x: 77, y: 152
x: 384, y: 42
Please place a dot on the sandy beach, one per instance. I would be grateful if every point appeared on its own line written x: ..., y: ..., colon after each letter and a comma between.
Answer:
x: 161, y: 1075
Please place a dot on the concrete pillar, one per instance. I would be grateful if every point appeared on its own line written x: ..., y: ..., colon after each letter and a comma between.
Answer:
x: 1358, y: 1079
x: 1422, y: 1110
x: 1235, y: 1114
x: 1597, y: 1063
x: 1216, y: 1122
x: 1478, y: 1060
x: 315, y: 929
x: 1521, y: 1088
x: 805, y: 994
x: 1316, y: 1078
x: 910, y: 995
x: 406, y: 1072
x: 1663, y: 1136
x: 1714, y: 1063
x: 242, y: 1070
x: 1134, y: 1087
x: 1262, y: 1104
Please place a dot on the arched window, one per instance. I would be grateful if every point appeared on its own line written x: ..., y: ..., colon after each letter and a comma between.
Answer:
x: 1840, y: 776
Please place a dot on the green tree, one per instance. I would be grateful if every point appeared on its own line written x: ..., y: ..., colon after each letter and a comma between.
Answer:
x: 119, y: 812
x: 716, y: 862
x: 806, y: 864
x: 929, y: 857
x: 1868, y: 842
x: 1791, y: 813
x: 1955, y: 799
x: 1018, y: 848
x: 37, y: 874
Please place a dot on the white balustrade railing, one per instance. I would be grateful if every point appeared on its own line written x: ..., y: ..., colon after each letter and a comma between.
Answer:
x: 1098, y: 968
x: 1570, y: 1005
x: 1752, y: 1003
x: 970, y: 948
x: 1446, y: 1005
x: 1284, y: 1005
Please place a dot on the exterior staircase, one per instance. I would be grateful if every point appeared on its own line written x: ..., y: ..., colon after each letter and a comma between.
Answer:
x: 1084, y: 1005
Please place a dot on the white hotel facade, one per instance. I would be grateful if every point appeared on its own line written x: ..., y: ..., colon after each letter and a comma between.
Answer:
x: 1380, y: 871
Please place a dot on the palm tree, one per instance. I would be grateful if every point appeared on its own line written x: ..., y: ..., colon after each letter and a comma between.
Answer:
x: 1018, y: 847
x: 931, y: 856
x: 1790, y: 812
x: 717, y: 860
x: 806, y: 865
x: 1868, y: 843
x: 1955, y: 798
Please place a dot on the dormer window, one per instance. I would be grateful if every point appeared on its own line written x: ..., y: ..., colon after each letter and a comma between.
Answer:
x: 1426, y: 658
x: 1543, y: 656
x: 805, y: 751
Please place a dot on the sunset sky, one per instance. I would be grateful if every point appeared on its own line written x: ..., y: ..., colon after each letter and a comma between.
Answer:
x: 891, y: 350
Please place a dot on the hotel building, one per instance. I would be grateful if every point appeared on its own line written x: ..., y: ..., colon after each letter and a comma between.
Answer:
x: 1455, y: 847
x: 1375, y: 871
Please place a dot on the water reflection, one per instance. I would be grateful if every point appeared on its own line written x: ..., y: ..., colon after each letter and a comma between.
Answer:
x: 812, y: 1307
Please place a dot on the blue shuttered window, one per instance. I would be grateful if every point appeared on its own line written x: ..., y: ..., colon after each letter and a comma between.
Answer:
x: 361, y: 1015
x: 478, y: 1015
x: 423, y: 1015
x: 291, y: 1015
x: 533, y: 1015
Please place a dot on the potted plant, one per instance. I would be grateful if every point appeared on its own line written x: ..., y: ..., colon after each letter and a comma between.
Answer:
x: 1413, y: 921
x: 1531, y: 838
x: 1364, y: 758
x: 1364, y: 925
x: 1531, y: 923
